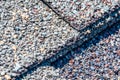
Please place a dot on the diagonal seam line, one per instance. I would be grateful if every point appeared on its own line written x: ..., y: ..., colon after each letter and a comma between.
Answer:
x: 46, y: 3
x: 36, y: 64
